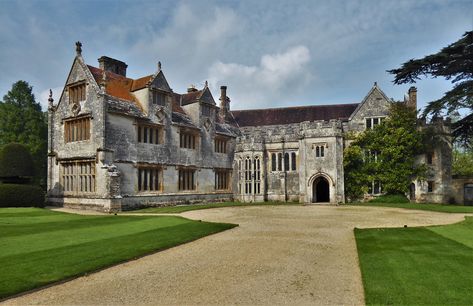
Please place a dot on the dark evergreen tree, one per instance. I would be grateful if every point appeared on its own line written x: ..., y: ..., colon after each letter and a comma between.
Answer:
x: 385, y: 154
x: 22, y: 121
x: 455, y: 63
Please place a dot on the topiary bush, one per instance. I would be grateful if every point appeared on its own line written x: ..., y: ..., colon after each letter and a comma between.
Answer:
x: 16, y: 164
x: 390, y: 198
x: 18, y: 195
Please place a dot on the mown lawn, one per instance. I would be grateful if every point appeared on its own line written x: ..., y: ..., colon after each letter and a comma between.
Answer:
x: 38, y: 246
x: 417, y: 266
x: 183, y: 208
x: 419, y: 206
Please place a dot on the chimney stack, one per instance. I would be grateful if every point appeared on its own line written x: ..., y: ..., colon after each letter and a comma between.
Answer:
x: 412, y: 102
x: 224, y: 102
x: 110, y: 64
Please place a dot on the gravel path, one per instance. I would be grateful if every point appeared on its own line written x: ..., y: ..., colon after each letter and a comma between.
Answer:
x: 278, y: 255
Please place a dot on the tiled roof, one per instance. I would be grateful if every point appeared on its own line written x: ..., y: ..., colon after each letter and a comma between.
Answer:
x: 117, y: 85
x: 191, y: 97
x: 141, y: 82
x: 287, y: 115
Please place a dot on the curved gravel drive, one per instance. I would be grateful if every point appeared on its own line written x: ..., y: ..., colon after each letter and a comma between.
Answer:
x: 278, y: 255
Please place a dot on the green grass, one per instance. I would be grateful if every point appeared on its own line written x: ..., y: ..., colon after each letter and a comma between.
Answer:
x: 39, y: 246
x: 419, y: 206
x: 390, y: 198
x: 417, y: 266
x: 183, y: 208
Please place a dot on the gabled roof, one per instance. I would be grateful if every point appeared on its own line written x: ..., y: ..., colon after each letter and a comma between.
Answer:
x: 203, y: 95
x: 116, y: 85
x: 287, y: 115
x: 141, y: 82
x: 372, y: 90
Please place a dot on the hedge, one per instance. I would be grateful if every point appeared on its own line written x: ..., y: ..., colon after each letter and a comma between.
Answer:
x: 16, y: 161
x: 16, y: 195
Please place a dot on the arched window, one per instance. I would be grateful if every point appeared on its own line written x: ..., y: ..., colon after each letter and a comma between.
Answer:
x: 250, y: 178
x: 248, y: 175
x: 286, y: 161
x: 279, y: 161
x: 322, y: 151
x: 317, y: 151
x: 273, y: 162
x: 257, y: 175
x: 293, y: 161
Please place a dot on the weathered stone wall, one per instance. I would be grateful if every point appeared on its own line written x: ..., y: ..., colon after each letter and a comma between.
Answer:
x: 458, y: 189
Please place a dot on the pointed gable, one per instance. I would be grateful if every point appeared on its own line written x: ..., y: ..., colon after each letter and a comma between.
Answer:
x: 203, y: 95
x: 375, y: 98
x: 207, y: 97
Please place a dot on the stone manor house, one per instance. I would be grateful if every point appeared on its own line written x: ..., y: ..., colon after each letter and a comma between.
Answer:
x: 117, y: 143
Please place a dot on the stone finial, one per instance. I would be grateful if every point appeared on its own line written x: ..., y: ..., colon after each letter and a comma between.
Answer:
x: 50, y: 99
x: 159, y: 66
x: 375, y: 84
x: 78, y: 48
x: 206, y: 84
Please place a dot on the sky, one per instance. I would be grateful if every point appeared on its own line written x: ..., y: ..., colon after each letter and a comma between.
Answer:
x: 269, y: 53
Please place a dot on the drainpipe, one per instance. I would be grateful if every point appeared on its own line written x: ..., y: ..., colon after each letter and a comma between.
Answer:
x: 285, y: 170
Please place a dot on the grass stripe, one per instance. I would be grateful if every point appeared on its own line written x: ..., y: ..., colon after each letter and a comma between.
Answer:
x: 56, y: 254
x: 414, y: 266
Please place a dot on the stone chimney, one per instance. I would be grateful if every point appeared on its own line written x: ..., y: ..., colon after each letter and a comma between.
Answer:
x: 224, y: 102
x: 110, y: 64
x: 412, y: 102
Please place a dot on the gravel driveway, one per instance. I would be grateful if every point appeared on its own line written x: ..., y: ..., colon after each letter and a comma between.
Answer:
x: 278, y: 255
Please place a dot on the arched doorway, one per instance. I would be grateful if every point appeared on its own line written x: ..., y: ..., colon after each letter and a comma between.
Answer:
x: 320, y: 190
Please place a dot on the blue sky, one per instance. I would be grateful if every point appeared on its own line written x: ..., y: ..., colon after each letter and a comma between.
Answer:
x: 268, y: 53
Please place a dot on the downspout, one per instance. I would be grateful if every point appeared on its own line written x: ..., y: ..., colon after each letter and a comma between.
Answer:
x: 285, y: 170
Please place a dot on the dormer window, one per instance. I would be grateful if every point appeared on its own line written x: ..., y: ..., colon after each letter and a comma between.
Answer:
x: 206, y: 110
x: 77, y: 93
x: 158, y: 98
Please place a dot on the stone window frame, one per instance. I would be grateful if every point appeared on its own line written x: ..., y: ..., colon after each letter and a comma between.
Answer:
x: 77, y: 128
x: 370, y: 121
x: 158, y: 97
x: 149, y: 178
x: 251, y: 175
x: 77, y: 91
x: 222, y: 179
x: 430, y: 186
x: 375, y: 188
x: 189, y: 138
x: 320, y: 149
x: 186, y: 180
x: 156, y: 136
x: 206, y: 109
x: 78, y: 176
x: 279, y: 161
x: 221, y: 144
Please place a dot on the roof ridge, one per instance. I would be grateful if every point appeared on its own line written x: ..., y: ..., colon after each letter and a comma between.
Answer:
x: 293, y: 107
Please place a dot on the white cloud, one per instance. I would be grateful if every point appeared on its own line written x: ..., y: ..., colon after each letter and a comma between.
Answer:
x: 252, y: 86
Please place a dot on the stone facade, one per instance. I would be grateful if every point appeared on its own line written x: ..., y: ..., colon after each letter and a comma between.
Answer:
x: 120, y: 143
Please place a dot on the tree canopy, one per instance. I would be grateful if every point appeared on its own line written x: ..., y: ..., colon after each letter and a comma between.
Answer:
x: 22, y: 121
x: 455, y: 63
x: 385, y: 154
